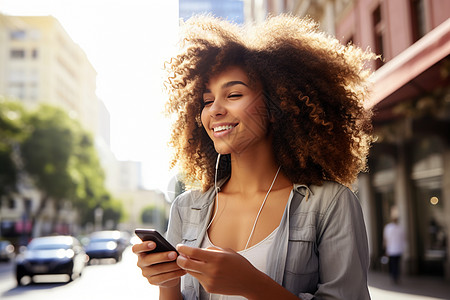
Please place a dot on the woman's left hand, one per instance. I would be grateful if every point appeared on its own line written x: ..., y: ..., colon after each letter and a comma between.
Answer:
x: 220, y: 271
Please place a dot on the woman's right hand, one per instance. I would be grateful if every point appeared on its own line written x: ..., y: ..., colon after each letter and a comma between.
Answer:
x: 161, y: 268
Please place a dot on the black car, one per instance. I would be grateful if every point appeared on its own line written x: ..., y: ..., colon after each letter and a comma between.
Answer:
x: 51, y: 255
x: 106, y: 244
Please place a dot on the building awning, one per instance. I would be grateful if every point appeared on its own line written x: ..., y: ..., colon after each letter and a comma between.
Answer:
x: 409, y: 64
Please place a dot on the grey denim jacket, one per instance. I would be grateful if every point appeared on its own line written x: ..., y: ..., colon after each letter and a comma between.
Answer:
x: 320, y: 250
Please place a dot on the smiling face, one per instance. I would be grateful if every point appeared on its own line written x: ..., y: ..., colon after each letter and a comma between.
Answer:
x: 234, y: 113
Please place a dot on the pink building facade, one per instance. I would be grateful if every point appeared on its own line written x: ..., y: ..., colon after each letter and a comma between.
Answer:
x: 410, y: 160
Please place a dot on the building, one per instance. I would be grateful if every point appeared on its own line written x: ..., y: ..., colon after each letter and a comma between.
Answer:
x: 322, y: 10
x: 232, y: 10
x: 409, y: 163
x: 39, y: 62
x: 410, y: 99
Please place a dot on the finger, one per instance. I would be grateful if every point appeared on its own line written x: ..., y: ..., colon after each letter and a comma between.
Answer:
x: 197, y: 253
x: 143, y: 247
x: 215, y: 248
x: 191, y: 265
x: 148, y: 259
x: 160, y: 269
x: 160, y: 279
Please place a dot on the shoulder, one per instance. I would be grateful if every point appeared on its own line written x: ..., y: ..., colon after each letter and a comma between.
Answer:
x: 194, y: 199
x: 330, y: 193
x: 331, y: 202
x: 328, y: 190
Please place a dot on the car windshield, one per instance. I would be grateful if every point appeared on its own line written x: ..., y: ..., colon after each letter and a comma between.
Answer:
x: 50, y: 243
x: 48, y: 246
x: 102, y: 240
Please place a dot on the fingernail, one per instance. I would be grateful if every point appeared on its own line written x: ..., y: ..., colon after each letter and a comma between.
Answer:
x: 172, y: 255
x: 151, y: 245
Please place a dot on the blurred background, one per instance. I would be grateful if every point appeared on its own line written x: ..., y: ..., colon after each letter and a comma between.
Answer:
x: 83, y: 140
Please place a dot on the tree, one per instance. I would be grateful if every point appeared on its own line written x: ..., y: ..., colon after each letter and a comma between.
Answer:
x: 155, y: 215
x: 12, y: 132
x: 60, y: 157
x: 89, y: 177
x: 46, y: 154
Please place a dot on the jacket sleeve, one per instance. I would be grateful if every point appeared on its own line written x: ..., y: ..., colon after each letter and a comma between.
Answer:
x: 343, y: 250
x: 173, y: 234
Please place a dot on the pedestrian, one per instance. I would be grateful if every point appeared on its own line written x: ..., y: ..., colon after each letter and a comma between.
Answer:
x: 270, y: 123
x: 394, y: 245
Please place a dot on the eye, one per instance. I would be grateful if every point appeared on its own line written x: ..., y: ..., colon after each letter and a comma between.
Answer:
x: 207, y: 102
x: 234, y: 95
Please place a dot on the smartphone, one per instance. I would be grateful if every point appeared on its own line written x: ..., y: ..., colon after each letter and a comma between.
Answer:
x: 162, y: 245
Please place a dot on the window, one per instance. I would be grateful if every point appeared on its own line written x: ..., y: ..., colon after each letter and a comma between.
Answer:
x: 11, y: 203
x: 378, y: 30
x: 417, y: 19
x: 17, y: 53
x: 17, y: 90
x: 34, y: 53
x: 18, y: 34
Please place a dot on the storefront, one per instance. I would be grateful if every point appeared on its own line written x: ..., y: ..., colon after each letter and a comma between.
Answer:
x: 410, y: 159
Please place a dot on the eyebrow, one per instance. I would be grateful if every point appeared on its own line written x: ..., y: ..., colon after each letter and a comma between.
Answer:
x: 228, y: 84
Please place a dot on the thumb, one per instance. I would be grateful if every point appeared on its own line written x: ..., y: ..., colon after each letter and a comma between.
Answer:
x: 215, y: 248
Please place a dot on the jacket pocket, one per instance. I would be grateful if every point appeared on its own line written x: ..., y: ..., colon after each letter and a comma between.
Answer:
x: 302, y: 262
x: 302, y: 257
x: 189, y: 234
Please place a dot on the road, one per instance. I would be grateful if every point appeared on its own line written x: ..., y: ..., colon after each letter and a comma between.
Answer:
x: 124, y: 281
x: 104, y: 280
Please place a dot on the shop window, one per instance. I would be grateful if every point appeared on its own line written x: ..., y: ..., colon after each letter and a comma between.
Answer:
x: 431, y: 223
x: 383, y: 179
x: 430, y: 219
x: 17, y: 53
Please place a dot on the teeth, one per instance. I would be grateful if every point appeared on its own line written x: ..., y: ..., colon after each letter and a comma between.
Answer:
x: 222, y: 128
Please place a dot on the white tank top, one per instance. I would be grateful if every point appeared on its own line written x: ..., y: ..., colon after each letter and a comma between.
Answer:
x: 256, y: 255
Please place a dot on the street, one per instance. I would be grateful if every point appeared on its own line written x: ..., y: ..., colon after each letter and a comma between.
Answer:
x: 104, y: 280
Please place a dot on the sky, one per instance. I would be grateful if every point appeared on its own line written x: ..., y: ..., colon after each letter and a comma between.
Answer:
x: 127, y: 42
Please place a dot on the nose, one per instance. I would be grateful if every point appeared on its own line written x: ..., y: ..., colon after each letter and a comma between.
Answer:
x: 217, y: 109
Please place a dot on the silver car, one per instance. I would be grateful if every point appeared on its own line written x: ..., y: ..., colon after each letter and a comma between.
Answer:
x: 6, y: 251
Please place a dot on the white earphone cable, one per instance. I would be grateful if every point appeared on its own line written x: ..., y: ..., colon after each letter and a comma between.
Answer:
x: 260, y: 209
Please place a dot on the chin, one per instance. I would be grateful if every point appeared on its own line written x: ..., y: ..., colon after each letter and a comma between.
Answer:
x: 223, y: 149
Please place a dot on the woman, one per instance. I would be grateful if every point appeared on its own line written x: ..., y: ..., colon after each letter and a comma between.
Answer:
x: 270, y: 121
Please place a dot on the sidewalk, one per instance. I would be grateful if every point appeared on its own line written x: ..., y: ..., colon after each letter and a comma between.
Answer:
x: 415, y: 288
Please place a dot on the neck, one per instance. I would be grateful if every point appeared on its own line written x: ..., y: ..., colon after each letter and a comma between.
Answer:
x: 254, y: 172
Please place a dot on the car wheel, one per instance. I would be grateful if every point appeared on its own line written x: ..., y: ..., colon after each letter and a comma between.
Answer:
x: 19, y: 280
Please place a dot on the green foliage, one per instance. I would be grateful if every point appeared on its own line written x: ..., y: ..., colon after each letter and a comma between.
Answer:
x: 12, y: 131
x: 60, y: 157
x: 152, y: 214
x: 47, y: 151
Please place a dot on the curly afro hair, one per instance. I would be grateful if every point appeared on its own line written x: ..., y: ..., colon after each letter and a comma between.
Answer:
x: 314, y: 90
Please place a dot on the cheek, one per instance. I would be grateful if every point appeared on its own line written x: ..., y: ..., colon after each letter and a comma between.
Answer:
x: 258, y: 116
x: 205, y: 119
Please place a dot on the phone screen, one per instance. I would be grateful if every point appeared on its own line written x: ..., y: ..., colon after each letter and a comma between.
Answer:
x: 162, y: 245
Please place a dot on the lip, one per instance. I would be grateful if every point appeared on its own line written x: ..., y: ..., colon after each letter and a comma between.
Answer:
x: 223, y: 132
